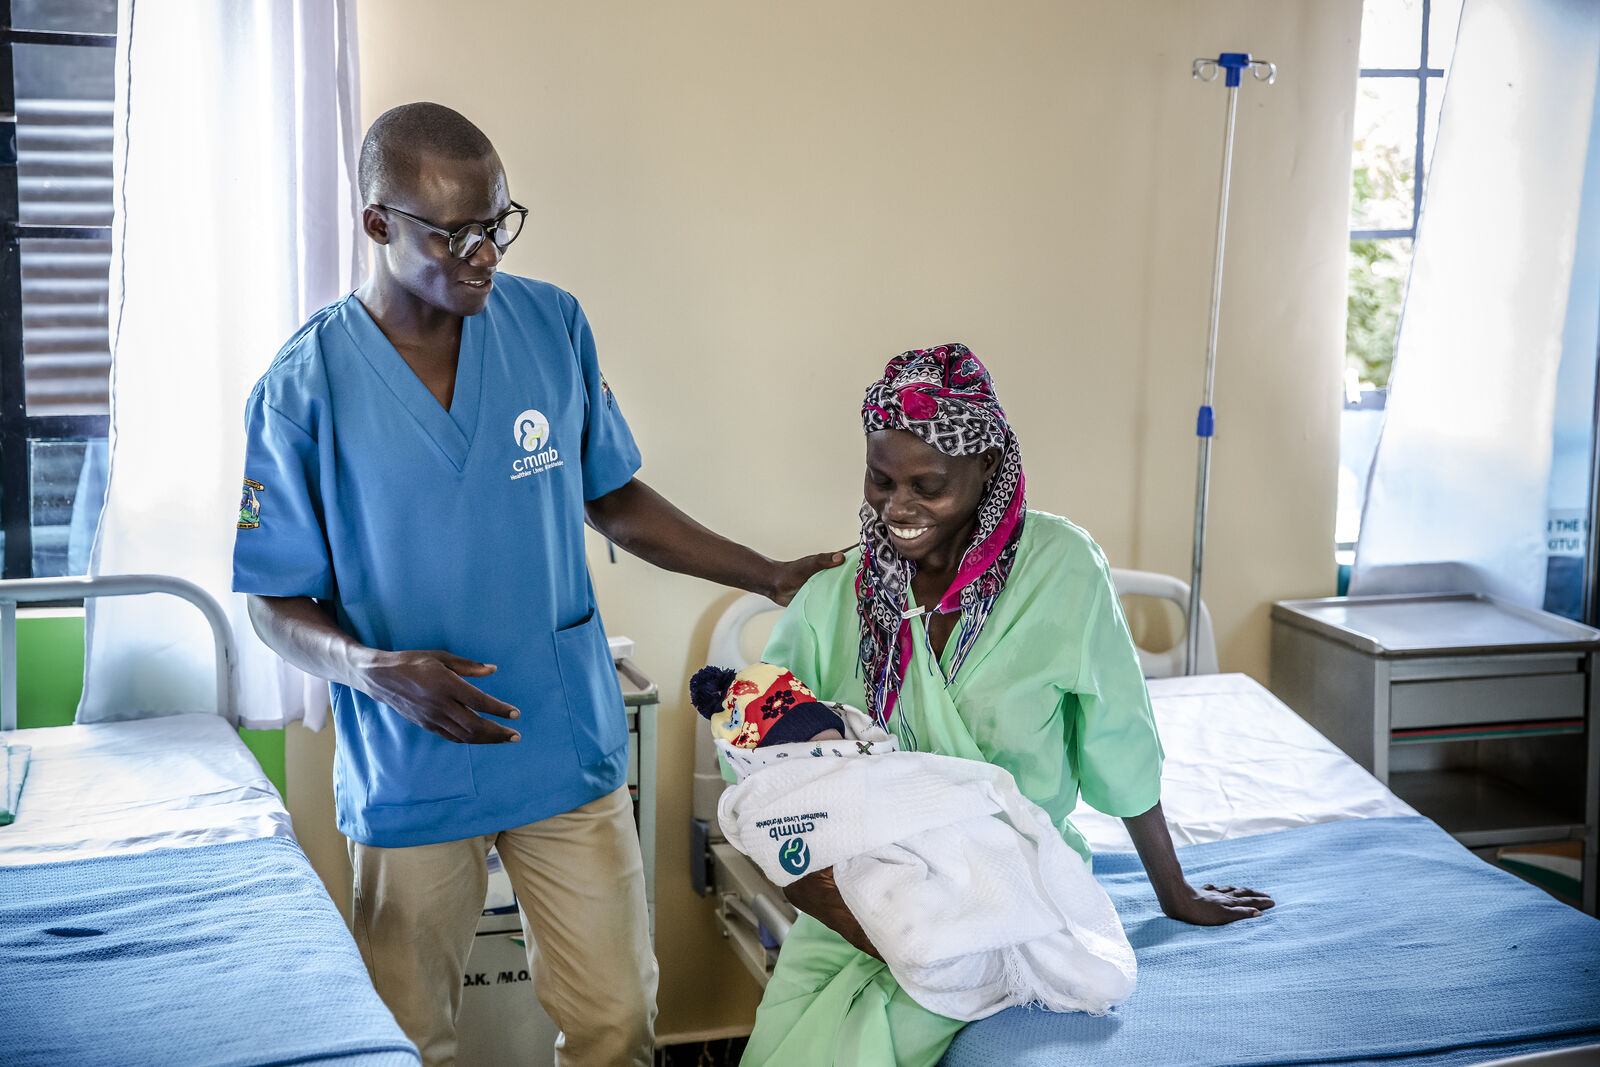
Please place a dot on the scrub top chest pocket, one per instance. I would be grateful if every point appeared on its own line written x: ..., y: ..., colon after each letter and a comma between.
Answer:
x: 592, y: 693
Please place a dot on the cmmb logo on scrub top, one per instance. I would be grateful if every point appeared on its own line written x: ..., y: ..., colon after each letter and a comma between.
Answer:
x: 532, y: 432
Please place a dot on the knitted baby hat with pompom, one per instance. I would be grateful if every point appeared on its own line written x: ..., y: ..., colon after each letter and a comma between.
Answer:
x: 761, y: 705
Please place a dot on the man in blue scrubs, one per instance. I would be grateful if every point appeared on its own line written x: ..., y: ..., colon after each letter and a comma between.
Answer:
x: 421, y: 458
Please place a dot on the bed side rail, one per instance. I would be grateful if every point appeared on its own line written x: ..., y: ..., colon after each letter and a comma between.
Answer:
x: 1174, y: 661
x: 752, y: 913
x: 14, y: 591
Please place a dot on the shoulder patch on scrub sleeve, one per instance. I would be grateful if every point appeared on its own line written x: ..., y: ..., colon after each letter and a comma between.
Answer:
x: 605, y: 391
x: 250, y: 505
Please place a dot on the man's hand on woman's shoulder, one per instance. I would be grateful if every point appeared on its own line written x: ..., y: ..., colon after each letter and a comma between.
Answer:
x: 789, y: 577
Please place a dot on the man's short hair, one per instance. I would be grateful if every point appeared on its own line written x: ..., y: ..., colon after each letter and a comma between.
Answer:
x: 391, y: 151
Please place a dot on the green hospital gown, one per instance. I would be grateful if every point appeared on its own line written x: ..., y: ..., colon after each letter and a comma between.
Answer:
x: 1051, y: 691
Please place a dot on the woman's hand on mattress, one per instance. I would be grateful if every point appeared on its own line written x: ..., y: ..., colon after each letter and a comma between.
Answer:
x: 1216, y: 905
x: 1210, y: 905
x: 431, y: 689
x: 818, y: 896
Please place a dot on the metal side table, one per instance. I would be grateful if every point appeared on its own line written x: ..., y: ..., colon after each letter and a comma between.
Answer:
x: 641, y: 699
x: 1479, y: 713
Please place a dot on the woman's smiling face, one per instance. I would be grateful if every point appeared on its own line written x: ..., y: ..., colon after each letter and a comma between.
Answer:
x: 928, y: 500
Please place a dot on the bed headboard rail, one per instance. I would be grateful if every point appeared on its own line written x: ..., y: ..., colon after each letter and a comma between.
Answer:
x: 14, y: 591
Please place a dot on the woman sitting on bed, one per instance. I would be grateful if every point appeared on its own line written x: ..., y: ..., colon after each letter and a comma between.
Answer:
x: 971, y: 627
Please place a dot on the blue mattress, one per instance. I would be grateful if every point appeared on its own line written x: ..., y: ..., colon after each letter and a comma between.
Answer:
x: 226, y: 955
x: 1390, y: 944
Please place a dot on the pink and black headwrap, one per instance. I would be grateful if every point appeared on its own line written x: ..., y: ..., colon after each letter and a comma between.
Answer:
x: 946, y: 397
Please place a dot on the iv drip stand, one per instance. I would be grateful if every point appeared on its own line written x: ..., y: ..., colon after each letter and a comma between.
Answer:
x: 1231, y: 65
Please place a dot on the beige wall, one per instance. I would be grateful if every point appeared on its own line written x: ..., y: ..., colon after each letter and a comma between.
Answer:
x: 759, y: 203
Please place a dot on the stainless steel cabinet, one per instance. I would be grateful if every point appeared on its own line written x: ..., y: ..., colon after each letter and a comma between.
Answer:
x: 1478, y: 713
x: 641, y: 700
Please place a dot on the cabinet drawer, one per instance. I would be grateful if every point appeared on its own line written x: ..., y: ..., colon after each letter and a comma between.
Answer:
x: 1466, y: 701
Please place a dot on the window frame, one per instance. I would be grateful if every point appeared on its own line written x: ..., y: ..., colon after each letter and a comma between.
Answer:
x: 1421, y: 72
x: 17, y: 427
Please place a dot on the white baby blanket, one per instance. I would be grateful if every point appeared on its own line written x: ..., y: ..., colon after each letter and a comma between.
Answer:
x: 960, y: 882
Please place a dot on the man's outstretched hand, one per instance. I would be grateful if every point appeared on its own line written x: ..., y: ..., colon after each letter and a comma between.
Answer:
x: 431, y: 689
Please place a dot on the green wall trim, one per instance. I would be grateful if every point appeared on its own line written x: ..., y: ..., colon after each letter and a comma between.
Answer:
x: 268, y: 748
x: 49, y: 667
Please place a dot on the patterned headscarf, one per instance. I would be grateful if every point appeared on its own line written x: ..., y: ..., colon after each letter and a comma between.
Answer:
x: 946, y: 397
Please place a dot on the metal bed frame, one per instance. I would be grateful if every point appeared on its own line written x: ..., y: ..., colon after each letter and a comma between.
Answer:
x: 14, y: 591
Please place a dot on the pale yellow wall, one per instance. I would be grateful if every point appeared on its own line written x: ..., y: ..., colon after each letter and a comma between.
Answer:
x: 759, y: 203
x: 308, y: 794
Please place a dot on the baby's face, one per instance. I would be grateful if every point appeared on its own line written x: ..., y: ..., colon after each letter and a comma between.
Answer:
x: 828, y: 735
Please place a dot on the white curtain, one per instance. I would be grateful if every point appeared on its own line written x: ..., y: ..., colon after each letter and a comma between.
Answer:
x: 1457, y: 500
x: 237, y: 132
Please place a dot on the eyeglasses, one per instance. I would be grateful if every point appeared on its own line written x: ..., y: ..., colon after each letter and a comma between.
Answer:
x: 466, y: 240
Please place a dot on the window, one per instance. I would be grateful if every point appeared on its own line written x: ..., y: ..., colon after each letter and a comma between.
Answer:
x: 1405, y: 50
x: 57, y: 59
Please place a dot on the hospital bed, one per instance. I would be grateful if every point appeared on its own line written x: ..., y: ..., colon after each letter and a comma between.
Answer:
x: 1390, y: 942
x: 154, y: 905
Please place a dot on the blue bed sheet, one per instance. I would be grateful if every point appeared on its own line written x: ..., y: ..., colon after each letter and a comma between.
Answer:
x: 1390, y: 943
x: 221, y: 955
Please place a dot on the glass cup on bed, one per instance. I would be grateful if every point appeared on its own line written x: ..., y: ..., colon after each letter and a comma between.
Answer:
x: 13, y: 771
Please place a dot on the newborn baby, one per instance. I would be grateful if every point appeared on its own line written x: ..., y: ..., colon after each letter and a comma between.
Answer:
x: 962, y: 884
x: 762, y: 705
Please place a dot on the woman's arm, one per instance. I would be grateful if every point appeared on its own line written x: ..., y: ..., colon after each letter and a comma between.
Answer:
x: 1210, y: 905
x: 818, y: 896
x: 817, y: 639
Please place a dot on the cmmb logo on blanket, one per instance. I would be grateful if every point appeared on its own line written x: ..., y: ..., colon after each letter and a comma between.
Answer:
x: 794, y: 855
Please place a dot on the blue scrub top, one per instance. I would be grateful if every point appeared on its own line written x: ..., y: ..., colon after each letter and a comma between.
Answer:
x: 458, y: 530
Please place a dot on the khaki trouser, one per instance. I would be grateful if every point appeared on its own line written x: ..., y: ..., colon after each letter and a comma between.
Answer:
x: 579, y: 880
